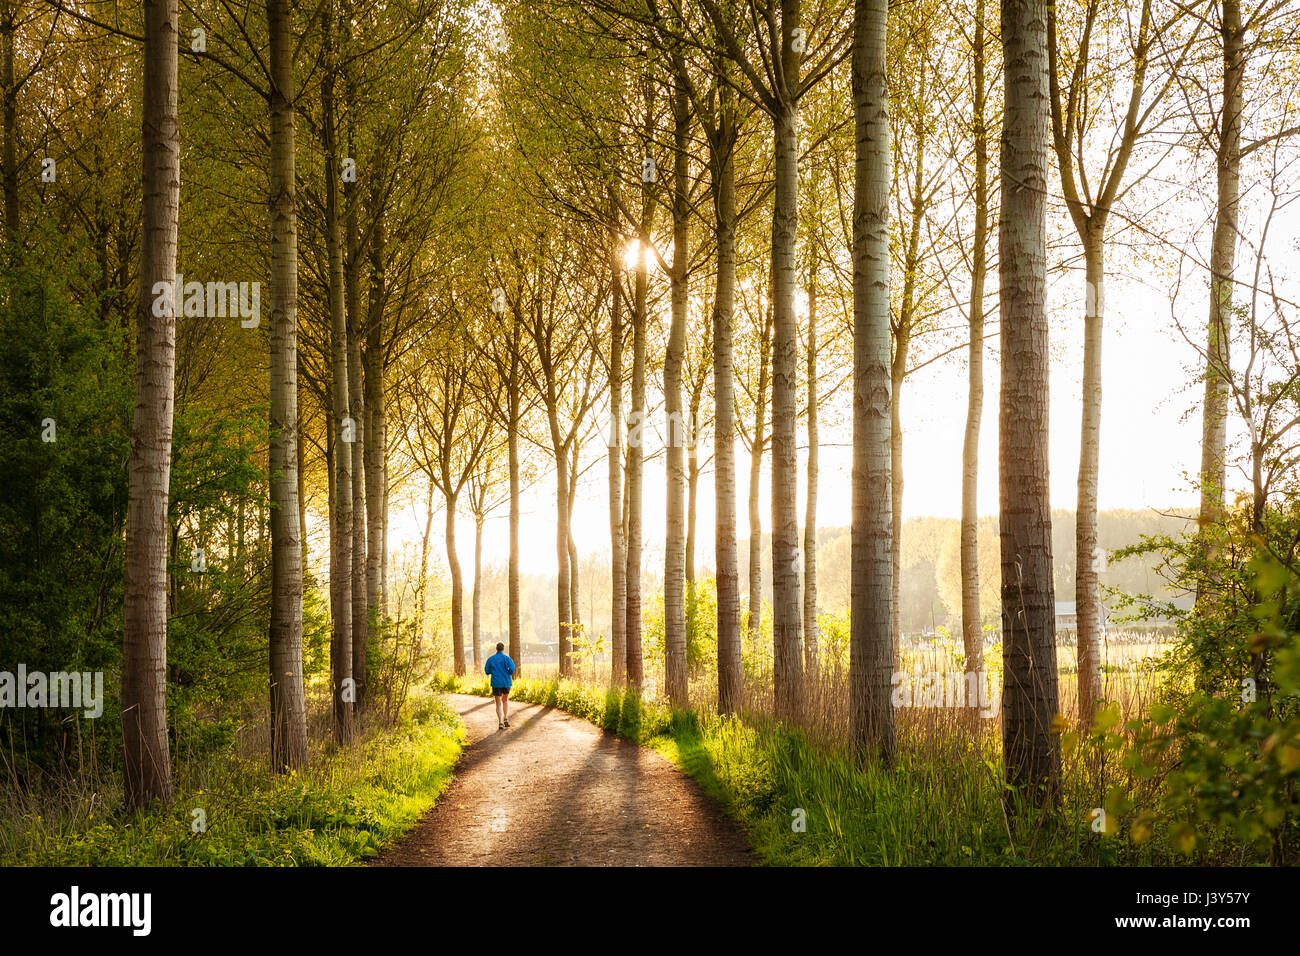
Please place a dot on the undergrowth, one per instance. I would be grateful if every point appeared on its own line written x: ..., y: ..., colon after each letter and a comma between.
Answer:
x: 347, y: 806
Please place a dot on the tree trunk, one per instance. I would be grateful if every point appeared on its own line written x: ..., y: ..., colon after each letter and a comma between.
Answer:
x: 692, y: 505
x: 633, y: 502
x: 512, y: 573
x: 572, y: 547
x: 1031, y: 752
x: 1089, y: 216
x: 457, y: 591
x: 424, y: 560
x: 1087, y: 554
x: 1223, y: 252
x: 897, y: 374
x: 636, y: 423
x: 148, y: 775
x: 330, y: 492
x: 301, y: 467
x: 381, y: 423
x: 360, y: 576
x: 9, y: 111
x: 898, y: 368
x: 755, y: 477
x: 341, y: 559
x: 618, y: 545
x: 971, y: 628
x: 564, y: 592
x: 693, y: 473
x: 477, y: 598
x: 375, y: 432
x: 787, y: 647
x: 726, y: 557
x: 871, y: 652
x: 810, y: 512
x: 674, y: 544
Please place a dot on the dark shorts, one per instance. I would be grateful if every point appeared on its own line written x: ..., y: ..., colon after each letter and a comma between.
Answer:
x: 500, y: 691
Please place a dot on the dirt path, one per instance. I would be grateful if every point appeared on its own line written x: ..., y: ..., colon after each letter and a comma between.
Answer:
x: 553, y: 790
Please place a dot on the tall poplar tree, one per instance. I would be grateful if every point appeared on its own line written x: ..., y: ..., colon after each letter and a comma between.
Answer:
x: 148, y: 771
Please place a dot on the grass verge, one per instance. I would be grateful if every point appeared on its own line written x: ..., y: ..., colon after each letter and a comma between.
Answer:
x: 802, y: 804
x: 349, y: 805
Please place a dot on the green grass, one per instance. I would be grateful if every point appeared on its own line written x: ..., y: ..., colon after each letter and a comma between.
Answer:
x: 804, y: 804
x: 348, y: 806
x: 604, y: 707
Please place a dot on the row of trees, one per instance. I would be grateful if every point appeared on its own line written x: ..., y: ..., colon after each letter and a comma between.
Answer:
x: 1100, y: 91
x: 343, y: 308
x: 478, y: 214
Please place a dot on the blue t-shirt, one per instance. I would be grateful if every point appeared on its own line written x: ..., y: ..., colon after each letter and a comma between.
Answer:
x: 499, y: 666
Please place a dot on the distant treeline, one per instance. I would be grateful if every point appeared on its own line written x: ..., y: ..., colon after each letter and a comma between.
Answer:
x: 931, y: 579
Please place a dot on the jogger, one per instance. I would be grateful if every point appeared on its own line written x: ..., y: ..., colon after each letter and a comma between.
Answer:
x: 499, y: 668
